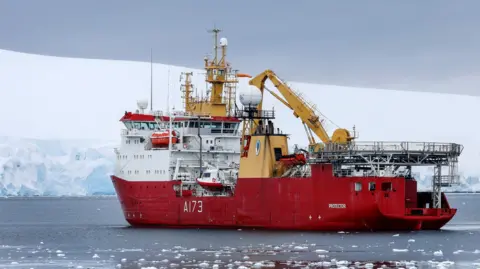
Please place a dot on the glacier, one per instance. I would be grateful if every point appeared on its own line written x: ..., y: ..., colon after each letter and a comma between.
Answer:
x: 60, y: 119
x: 55, y: 167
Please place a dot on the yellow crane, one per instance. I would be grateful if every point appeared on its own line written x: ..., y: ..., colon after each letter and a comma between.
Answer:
x: 301, y: 109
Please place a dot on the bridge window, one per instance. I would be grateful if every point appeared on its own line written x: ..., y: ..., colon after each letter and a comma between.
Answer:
x: 358, y: 186
x: 371, y: 186
x: 151, y: 125
x: 140, y: 125
x: 229, y: 127
x: 128, y: 125
x: 386, y: 186
x: 136, y: 125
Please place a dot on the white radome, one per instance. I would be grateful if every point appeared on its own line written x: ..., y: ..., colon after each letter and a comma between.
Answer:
x: 142, y: 104
x: 223, y: 42
x: 251, y: 96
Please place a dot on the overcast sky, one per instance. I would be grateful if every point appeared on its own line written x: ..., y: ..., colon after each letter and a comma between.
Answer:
x: 409, y: 44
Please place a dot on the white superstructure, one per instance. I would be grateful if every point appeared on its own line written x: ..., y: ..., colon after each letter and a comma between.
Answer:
x: 141, y: 158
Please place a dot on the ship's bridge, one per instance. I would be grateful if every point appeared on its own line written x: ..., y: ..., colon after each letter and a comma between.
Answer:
x: 213, y: 125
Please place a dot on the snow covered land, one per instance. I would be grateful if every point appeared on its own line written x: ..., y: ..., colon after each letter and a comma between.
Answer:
x: 59, y: 119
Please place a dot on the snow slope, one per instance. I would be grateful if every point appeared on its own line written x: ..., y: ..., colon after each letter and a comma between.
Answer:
x: 53, y: 100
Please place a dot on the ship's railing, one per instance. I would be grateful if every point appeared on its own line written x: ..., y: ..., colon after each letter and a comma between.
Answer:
x: 179, y: 113
x: 190, y: 114
x: 448, y: 180
x: 132, y: 132
x: 253, y: 113
x: 157, y: 113
x: 204, y: 148
x: 196, y: 163
x: 382, y: 147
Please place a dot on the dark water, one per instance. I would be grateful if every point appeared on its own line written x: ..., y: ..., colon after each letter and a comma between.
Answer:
x: 91, y: 233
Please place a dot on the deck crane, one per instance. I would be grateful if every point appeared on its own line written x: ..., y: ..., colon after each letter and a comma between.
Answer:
x: 301, y: 109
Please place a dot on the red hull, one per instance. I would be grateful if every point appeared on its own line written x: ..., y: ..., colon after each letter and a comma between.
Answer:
x: 321, y: 202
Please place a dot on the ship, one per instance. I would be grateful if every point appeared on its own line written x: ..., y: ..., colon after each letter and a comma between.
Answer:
x: 219, y: 163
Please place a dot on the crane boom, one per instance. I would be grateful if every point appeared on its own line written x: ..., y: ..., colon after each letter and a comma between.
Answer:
x: 301, y: 109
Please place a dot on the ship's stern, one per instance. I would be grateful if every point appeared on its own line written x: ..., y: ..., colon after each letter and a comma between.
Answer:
x: 431, y: 218
x: 419, y: 211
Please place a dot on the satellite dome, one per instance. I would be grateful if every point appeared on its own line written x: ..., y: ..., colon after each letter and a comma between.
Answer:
x: 223, y: 42
x: 142, y: 104
x: 251, y: 96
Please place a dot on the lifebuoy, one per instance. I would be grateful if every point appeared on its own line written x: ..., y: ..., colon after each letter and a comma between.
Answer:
x: 246, y: 146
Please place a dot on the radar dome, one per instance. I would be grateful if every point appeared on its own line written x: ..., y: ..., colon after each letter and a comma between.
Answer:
x: 142, y: 104
x: 251, y: 96
x: 223, y: 42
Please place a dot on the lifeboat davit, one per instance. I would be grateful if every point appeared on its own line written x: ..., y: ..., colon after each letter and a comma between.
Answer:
x: 163, y: 138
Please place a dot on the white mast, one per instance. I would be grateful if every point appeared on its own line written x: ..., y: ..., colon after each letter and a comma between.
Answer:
x: 151, y: 79
x: 169, y: 114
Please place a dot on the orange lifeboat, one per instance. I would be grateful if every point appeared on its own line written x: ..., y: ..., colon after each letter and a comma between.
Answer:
x: 293, y: 159
x: 242, y: 75
x: 162, y: 138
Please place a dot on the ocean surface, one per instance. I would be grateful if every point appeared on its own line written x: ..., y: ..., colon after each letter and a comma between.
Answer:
x: 90, y: 232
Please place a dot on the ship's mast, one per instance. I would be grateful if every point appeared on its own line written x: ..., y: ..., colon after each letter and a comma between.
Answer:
x: 187, y: 90
x: 215, y: 32
x: 216, y: 69
x: 151, y: 79
x: 221, y: 82
x: 170, y: 114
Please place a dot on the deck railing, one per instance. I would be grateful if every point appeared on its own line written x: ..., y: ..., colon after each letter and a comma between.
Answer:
x: 383, y: 147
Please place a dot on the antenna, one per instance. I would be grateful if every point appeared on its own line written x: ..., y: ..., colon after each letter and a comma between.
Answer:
x: 168, y: 90
x: 215, y: 32
x: 151, y: 79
